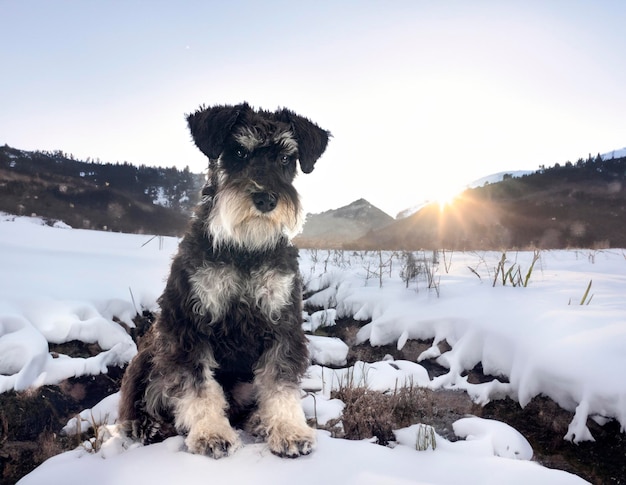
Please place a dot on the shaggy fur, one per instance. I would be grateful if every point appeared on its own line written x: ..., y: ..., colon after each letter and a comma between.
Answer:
x: 227, y: 348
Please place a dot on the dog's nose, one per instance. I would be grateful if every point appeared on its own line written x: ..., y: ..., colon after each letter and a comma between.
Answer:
x: 264, y: 201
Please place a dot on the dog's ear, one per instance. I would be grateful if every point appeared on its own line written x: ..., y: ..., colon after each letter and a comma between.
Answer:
x: 210, y: 126
x: 312, y: 139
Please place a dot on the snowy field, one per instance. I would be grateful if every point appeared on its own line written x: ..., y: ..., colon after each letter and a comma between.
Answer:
x: 59, y: 284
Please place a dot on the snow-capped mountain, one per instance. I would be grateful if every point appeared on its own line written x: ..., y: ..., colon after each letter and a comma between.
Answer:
x: 614, y: 154
x: 499, y: 177
x: 488, y: 179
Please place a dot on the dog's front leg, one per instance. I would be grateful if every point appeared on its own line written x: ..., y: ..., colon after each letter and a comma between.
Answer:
x: 280, y: 418
x: 201, y: 413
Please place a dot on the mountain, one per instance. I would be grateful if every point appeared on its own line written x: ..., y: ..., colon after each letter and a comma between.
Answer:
x: 621, y: 153
x: 338, y: 227
x: 575, y: 205
x: 489, y: 179
x: 126, y: 198
x: 90, y: 195
x: 580, y: 204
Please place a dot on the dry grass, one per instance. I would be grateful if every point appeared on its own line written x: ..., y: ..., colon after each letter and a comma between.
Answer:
x: 48, y: 445
x: 369, y: 413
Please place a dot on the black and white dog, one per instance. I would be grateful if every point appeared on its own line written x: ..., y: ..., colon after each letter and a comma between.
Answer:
x: 227, y: 348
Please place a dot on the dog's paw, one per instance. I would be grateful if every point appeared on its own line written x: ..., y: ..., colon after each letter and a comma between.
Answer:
x: 291, y: 443
x: 212, y: 443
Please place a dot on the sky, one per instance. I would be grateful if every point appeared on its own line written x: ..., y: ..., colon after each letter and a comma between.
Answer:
x: 421, y: 97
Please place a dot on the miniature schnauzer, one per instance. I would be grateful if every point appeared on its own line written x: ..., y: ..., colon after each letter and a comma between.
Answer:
x: 227, y: 348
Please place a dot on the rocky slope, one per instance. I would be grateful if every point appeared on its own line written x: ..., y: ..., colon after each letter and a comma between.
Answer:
x: 336, y: 228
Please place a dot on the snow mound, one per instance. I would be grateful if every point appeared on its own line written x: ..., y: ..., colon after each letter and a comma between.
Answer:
x: 504, y: 440
x: 61, y: 284
x: 327, y: 350
x: 334, y: 461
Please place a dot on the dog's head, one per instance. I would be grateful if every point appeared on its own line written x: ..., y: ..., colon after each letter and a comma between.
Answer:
x: 253, y: 159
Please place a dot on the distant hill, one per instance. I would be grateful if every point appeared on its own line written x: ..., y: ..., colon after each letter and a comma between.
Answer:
x: 574, y: 205
x: 580, y: 204
x: 338, y: 227
x: 103, y: 196
x: 489, y: 179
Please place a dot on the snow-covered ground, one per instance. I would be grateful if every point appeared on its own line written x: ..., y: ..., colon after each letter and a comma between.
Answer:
x: 539, y: 336
x: 59, y: 284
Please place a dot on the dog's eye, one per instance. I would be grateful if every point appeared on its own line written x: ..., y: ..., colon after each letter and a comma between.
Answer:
x: 286, y: 159
x: 242, y: 153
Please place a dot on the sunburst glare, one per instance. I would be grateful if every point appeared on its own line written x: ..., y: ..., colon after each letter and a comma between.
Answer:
x: 446, y: 196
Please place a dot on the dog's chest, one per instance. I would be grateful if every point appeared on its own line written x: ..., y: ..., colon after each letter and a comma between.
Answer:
x: 216, y: 288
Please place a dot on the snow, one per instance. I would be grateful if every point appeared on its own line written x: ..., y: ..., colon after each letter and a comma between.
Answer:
x: 160, y: 198
x: 322, y: 318
x: 328, y: 351
x: 497, y: 177
x: 614, y: 154
x: 378, y: 376
x: 539, y: 337
x: 334, y: 461
x: 504, y: 440
x: 58, y: 284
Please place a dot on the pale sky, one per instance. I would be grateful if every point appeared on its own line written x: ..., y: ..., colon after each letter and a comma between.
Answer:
x: 420, y: 96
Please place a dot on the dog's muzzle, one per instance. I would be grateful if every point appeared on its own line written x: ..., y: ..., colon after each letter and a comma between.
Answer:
x: 264, y: 201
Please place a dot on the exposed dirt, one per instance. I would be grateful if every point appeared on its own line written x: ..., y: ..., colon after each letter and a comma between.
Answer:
x: 542, y: 422
x: 30, y: 422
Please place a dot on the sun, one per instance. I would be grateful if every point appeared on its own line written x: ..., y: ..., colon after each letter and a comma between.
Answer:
x: 445, y: 196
